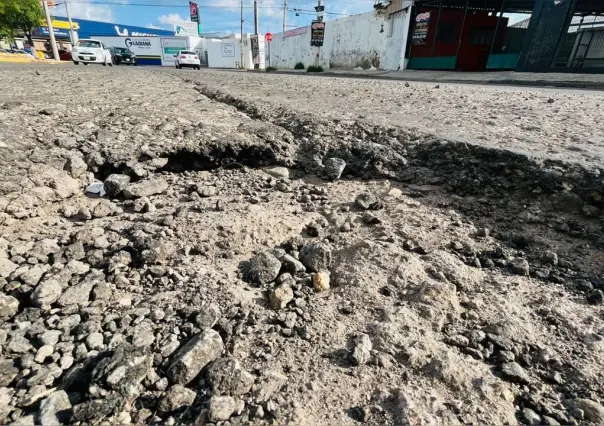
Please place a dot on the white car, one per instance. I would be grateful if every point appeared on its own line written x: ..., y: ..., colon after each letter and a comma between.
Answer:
x: 187, y: 58
x: 89, y: 51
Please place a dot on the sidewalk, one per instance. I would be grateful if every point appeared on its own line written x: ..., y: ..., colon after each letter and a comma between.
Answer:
x: 510, y: 78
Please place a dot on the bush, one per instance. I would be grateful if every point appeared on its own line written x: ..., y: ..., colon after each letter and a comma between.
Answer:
x: 313, y: 68
x: 299, y: 66
x: 269, y: 69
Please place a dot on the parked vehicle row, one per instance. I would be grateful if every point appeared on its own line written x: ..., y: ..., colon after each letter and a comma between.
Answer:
x: 90, y: 51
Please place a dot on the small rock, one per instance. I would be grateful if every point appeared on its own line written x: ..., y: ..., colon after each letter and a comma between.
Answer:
x: 334, y: 168
x: 115, y: 184
x: 226, y: 377
x: 292, y: 265
x: 103, y: 209
x: 8, y: 372
x: 281, y: 296
x: 316, y: 257
x: 176, y: 398
x: 55, y: 409
x: 145, y: 188
x: 278, y: 172
x: 550, y: 257
x: 9, y: 306
x: 590, y: 211
x: 206, y: 191
x: 209, y: 316
x: 95, y: 341
x: 596, y: 297
x: 368, y: 201
x: 263, y: 268
x: 221, y: 408
x: 46, y: 293
x: 43, y: 353
x: 194, y: 356
x: 83, y: 213
x: 531, y: 417
x: 362, y: 349
x: 520, y: 266
x: 320, y: 281
x: 514, y: 372
x: 76, y: 166
x: 7, y: 267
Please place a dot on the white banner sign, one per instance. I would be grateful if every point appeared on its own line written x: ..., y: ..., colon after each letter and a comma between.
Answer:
x: 186, y: 28
x: 140, y: 46
x: 170, y: 47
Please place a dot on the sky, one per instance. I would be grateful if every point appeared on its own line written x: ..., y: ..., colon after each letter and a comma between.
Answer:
x: 216, y: 15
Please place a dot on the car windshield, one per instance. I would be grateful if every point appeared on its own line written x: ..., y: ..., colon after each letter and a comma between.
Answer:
x: 186, y: 52
x: 89, y: 43
x: 122, y: 50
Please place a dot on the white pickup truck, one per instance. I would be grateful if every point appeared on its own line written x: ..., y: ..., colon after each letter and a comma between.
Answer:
x: 90, y: 51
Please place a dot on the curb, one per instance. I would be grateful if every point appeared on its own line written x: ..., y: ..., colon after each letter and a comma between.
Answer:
x: 590, y: 85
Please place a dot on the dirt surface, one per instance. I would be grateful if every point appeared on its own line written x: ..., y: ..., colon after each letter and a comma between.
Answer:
x: 257, y: 258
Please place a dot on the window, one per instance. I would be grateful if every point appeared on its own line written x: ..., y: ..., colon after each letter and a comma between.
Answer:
x: 481, y: 35
x: 446, y: 32
x: 89, y: 43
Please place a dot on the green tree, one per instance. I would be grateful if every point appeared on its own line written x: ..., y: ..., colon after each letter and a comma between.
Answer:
x: 24, y: 15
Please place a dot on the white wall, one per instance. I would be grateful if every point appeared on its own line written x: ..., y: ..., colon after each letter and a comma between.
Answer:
x: 365, y: 40
x: 226, y: 53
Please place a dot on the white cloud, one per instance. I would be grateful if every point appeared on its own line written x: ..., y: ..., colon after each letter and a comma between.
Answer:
x: 155, y: 27
x: 92, y: 12
x: 170, y: 19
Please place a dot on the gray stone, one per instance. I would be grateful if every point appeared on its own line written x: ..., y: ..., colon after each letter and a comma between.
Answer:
x: 46, y: 293
x: 367, y: 201
x: 9, y: 306
x: 206, y: 191
x: 514, y: 372
x: 281, y: 296
x: 531, y: 417
x: 226, y: 377
x: 316, y: 257
x: 566, y: 202
x: 32, y: 276
x: 520, y: 266
x: 104, y: 208
x: 263, y: 268
x: 78, y: 294
x: 278, y: 172
x: 115, y: 184
x: 334, y: 168
x: 95, y: 341
x: 362, y: 349
x: 176, y: 398
x: 75, y: 166
x: 221, y: 408
x: 145, y: 188
x: 55, y: 409
x: 7, y: 267
x: 8, y: 372
x: 124, y: 370
x: 590, y: 211
x: 50, y: 337
x: 143, y: 335
x: 194, y: 356
x: 209, y: 316
x: 270, y: 382
x: 550, y: 257
x: 292, y: 265
x: 592, y: 411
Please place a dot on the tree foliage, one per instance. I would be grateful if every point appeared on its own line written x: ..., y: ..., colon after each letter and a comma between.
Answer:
x: 24, y: 15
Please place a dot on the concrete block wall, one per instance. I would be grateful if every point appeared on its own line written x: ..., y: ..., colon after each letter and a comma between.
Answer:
x: 370, y: 39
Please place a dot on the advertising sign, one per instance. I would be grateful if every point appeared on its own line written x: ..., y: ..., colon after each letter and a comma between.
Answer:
x: 422, y: 23
x: 255, y: 48
x: 317, y: 33
x: 228, y: 50
x: 185, y: 28
x: 170, y: 47
x: 194, y: 9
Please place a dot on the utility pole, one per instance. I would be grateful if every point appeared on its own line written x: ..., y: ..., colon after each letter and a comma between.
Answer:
x: 256, y: 66
x: 51, y: 31
x: 284, y: 15
x: 242, y: 65
x: 72, y: 35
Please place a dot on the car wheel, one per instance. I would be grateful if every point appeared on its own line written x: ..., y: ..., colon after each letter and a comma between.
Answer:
x: 76, y: 63
x: 85, y: 63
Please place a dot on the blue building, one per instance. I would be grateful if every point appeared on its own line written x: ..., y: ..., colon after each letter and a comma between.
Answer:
x: 89, y: 29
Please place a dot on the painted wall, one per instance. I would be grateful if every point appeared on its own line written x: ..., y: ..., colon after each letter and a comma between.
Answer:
x: 226, y: 53
x: 365, y: 40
